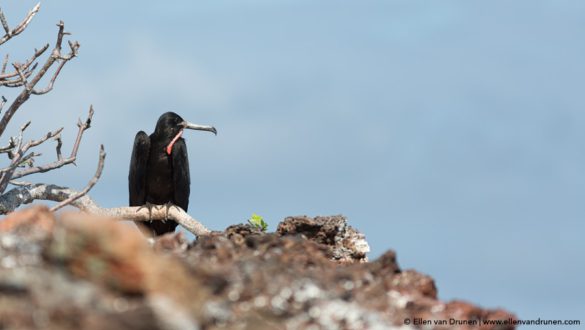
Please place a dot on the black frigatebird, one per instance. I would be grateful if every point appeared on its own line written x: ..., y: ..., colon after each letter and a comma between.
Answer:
x: 159, y: 168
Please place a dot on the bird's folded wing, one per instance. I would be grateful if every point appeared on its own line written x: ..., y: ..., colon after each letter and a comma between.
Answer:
x: 181, y: 179
x: 138, y: 166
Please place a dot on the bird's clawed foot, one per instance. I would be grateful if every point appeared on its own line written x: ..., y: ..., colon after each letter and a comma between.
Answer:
x: 168, y: 208
x: 148, y: 206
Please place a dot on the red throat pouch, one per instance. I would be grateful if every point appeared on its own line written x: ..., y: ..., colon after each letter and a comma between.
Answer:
x: 169, y: 147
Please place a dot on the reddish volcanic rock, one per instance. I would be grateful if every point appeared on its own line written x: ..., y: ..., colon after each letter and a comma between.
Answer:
x: 37, y: 218
x: 85, y: 272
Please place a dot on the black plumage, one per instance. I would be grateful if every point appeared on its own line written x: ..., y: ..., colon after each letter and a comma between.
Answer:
x: 159, y: 168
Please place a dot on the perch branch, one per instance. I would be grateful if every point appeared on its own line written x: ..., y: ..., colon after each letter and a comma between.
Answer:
x: 27, y: 194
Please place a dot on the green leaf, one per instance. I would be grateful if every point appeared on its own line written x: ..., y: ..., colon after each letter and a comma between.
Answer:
x: 258, y: 222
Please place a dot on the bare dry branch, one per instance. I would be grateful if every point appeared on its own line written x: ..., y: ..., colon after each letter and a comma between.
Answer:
x: 74, y: 46
x: 4, y: 23
x: 6, y: 79
x: 27, y: 76
x: 11, y: 145
x: 22, y: 78
x: 21, y: 135
x: 29, y: 87
x: 42, y: 168
x: 18, y: 162
x: 27, y: 194
x: 26, y: 20
x: 90, y: 184
x: 82, y: 127
x: 60, y: 160
x: 21, y: 183
x: 51, y: 82
x: 17, y: 157
x: 47, y: 136
x: 20, y: 27
x: 26, y: 71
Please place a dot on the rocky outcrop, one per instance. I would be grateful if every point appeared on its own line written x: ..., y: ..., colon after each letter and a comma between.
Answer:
x: 344, y: 243
x: 84, y: 272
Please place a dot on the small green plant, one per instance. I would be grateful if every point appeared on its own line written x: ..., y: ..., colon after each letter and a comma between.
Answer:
x: 258, y: 222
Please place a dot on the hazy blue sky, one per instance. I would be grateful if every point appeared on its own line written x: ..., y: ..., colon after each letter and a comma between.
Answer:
x: 452, y: 132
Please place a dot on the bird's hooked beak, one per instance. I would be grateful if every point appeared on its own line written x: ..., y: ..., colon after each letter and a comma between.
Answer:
x: 186, y: 124
x: 189, y: 125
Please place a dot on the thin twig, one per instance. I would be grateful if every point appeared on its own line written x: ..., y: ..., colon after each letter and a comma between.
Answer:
x: 26, y: 20
x: 17, y: 157
x: 21, y: 183
x: 83, y: 126
x: 19, y: 162
x: 47, y: 136
x: 51, y: 82
x: 5, y: 63
x: 74, y: 46
x: 28, y: 158
x: 21, y: 137
x: 9, y: 147
x: 25, y: 71
x: 20, y: 27
x: 4, y: 23
x: 42, y: 168
x: 90, y: 184
x: 3, y: 101
x: 6, y: 173
x: 26, y: 66
x: 60, y: 160
x: 59, y: 145
x: 22, y: 78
